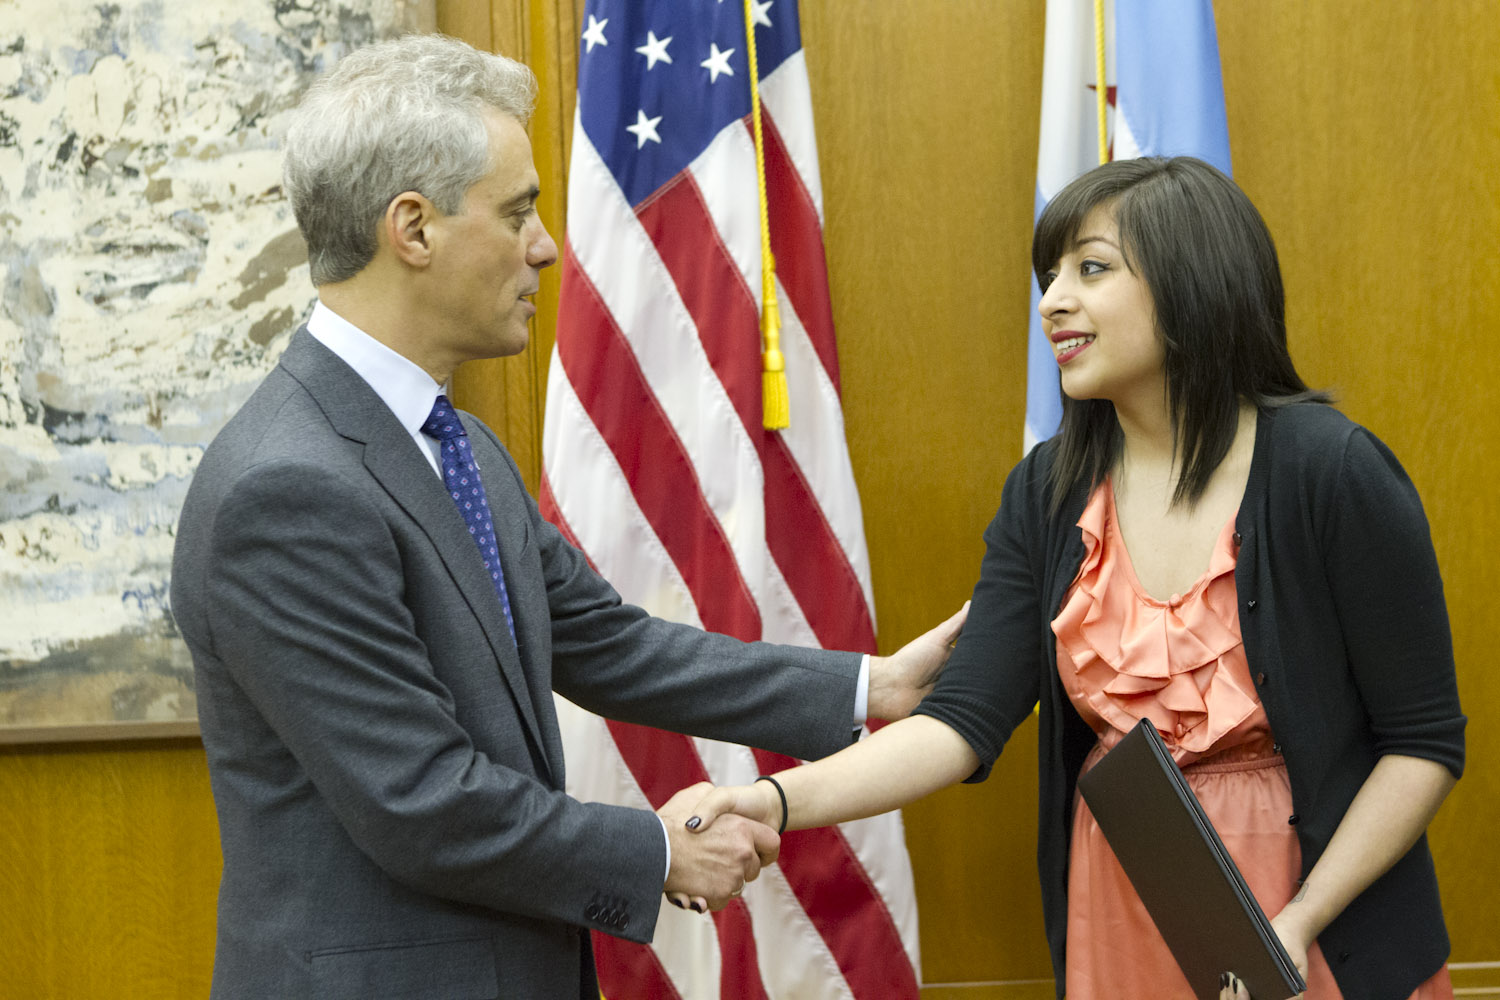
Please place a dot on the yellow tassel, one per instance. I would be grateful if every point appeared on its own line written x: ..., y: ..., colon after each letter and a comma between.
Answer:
x: 775, y: 407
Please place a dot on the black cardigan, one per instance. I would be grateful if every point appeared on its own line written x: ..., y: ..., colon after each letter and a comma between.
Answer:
x: 1346, y: 634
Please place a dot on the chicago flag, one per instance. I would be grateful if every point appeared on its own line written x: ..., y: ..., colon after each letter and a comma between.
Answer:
x: 1166, y: 98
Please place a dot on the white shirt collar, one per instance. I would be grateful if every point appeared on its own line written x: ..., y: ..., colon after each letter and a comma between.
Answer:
x: 400, y: 383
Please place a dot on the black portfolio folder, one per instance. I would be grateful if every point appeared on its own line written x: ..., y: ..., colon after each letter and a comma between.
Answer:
x: 1180, y: 869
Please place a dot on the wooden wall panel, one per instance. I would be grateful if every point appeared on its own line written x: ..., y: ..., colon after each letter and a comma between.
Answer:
x: 109, y: 871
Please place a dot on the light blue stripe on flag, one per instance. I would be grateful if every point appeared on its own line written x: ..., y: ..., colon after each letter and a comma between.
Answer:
x: 1171, y: 92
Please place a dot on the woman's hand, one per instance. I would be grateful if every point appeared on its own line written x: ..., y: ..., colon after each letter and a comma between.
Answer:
x: 757, y: 801
x: 1295, y: 937
x: 1230, y: 988
x: 738, y: 800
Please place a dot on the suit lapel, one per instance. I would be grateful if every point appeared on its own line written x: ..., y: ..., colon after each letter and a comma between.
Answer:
x: 391, y: 457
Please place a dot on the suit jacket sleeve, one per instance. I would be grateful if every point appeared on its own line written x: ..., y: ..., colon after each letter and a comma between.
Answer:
x: 617, y: 661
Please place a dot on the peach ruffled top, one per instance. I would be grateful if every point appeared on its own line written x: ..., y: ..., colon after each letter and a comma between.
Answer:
x: 1124, y: 656
x: 1179, y: 662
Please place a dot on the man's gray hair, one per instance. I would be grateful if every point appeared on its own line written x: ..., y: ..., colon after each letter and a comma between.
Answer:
x: 403, y: 115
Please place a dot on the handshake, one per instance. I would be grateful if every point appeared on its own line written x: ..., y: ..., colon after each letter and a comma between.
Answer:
x: 720, y: 838
x: 731, y: 838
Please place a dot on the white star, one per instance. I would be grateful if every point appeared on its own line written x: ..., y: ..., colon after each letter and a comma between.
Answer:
x: 717, y: 62
x: 594, y: 34
x: 759, y: 15
x: 644, y: 128
x: 655, y: 50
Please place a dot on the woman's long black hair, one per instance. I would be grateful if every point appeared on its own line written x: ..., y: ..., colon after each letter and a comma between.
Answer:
x: 1207, y: 258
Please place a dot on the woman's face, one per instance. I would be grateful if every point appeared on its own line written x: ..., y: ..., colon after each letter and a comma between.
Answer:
x: 1099, y: 317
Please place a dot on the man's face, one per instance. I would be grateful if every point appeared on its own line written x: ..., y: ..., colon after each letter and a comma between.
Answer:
x: 489, y: 255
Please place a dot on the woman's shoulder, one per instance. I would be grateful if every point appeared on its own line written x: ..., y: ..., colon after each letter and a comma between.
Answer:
x: 1308, y: 434
x: 1317, y: 443
x: 1029, y: 482
x: 1310, y: 422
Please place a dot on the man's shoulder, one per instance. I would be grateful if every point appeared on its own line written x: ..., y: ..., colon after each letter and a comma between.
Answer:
x: 278, y: 402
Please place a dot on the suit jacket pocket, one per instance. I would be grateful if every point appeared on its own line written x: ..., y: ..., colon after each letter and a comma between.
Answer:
x: 452, y: 970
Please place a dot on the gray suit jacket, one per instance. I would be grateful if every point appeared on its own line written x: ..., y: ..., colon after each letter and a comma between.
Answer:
x: 385, y: 761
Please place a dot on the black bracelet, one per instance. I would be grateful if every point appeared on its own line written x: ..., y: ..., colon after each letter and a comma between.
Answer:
x: 779, y: 791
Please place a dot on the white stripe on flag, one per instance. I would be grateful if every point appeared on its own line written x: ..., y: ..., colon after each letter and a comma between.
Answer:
x: 601, y: 511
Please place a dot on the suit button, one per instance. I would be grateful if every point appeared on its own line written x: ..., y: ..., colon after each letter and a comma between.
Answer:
x: 1250, y: 605
x: 1260, y: 679
x: 1237, y: 538
x: 1293, y: 819
x: 592, y: 913
x: 624, y: 922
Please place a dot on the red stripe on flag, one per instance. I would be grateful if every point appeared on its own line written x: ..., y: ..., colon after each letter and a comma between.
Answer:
x: 797, y: 242
x: 627, y: 970
x: 798, y: 534
x: 849, y: 912
x: 546, y: 500
x: 663, y: 763
x: 609, y: 383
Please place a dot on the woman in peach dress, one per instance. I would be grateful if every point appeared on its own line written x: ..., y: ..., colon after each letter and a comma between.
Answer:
x: 1210, y: 545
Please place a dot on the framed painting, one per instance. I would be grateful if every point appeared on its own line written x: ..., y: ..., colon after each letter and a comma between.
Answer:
x: 152, y: 272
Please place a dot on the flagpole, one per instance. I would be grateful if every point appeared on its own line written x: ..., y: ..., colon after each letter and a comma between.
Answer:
x: 1101, y: 88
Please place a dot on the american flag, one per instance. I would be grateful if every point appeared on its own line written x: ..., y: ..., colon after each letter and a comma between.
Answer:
x: 657, y: 466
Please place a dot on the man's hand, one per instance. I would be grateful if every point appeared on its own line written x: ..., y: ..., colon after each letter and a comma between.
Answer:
x: 709, y: 869
x: 899, y: 681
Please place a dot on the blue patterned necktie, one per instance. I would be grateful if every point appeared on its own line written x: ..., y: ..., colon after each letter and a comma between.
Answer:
x: 461, y: 476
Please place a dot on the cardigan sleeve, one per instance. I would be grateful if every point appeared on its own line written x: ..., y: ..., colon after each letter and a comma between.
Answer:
x: 992, y: 679
x: 1383, y: 575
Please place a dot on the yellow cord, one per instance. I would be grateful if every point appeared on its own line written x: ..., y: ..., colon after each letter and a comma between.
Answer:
x: 1102, y: 83
x: 775, y: 408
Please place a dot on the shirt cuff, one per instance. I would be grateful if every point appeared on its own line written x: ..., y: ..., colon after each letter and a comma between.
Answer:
x: 862, y: 692
x: 668, y: 841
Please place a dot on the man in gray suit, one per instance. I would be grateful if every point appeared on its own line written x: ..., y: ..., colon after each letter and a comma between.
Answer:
x: 376, y: 654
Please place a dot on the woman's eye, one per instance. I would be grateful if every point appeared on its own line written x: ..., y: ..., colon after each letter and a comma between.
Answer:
x: 1093, y: 267
x: 1046, y: 280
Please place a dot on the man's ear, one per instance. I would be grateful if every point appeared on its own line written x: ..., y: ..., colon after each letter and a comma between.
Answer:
x: 407, y: 227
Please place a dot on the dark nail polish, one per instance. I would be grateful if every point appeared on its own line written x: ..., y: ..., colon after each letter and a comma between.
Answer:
x: 676, y: 902
x: 694, y: 823
x: 697, y: 908
x: 1224, y: 981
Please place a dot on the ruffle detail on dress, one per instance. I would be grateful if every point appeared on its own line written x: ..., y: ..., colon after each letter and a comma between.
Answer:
x: 1136, y: 657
